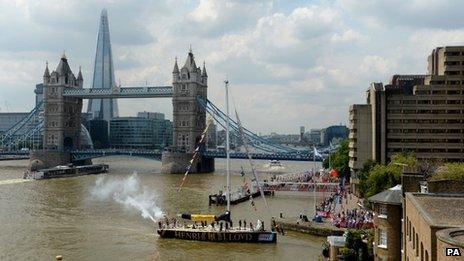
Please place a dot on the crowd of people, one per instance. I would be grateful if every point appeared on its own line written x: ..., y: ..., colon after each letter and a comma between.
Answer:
x: 333, y: 208
x: 295, y: 177
x: 355, y: 218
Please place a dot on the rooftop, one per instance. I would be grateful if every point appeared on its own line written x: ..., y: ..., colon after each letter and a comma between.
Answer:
x: 439, y: 210
x: 390, y: 196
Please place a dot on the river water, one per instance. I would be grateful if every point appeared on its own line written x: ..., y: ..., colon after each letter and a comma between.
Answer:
x: 44, y: 218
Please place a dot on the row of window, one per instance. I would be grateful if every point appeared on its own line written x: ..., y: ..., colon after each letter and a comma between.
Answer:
x: 426, y: 121
x: 427, y: 140
x: 425, y: 111
x: 423, y: 131
x: 413, y: 236
x: 424, y: 150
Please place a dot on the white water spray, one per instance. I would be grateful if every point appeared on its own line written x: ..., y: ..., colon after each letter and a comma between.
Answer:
x: 129, y: 192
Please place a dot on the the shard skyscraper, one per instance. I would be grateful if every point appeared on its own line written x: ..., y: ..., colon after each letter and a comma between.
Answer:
x: 103, y: 74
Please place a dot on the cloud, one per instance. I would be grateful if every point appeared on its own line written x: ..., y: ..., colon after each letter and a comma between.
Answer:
x: 413, y: 13
x: 289, y: 64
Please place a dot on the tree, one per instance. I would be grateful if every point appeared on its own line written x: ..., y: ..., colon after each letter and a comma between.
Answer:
x: 405, y: 159
x: 339, y: 159
x: 450, y: 171
x: 382, y: 177
x: 375, y: 178
x: 358, y: 244
x: 363, y: 174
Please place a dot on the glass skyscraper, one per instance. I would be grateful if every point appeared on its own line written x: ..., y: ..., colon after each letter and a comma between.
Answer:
x: 103, y: 73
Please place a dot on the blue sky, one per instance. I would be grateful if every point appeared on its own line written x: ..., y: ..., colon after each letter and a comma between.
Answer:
x: 290, y: 63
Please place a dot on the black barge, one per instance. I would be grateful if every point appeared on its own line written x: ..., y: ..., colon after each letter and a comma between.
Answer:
x: 66, y: 171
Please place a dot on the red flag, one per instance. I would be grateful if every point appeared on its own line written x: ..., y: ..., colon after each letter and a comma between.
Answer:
x: 333, y: 173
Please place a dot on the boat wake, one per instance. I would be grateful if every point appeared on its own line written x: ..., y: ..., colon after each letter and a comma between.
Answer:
x: 13, y: 181
x: 128, y: 192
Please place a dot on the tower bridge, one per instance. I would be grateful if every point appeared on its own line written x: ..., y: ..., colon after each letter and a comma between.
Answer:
x: 59, y: 121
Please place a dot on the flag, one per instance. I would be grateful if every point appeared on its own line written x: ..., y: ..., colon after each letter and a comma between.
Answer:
x: 316, y: 153
x: 333, y: 173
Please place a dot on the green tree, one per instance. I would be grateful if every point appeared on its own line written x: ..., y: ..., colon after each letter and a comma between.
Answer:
x: 382, y: 177
x: 339, y: 159
x: 450, y: 171
x: 375, y: 178
x: 363, y: 175
x: 405, y: 159
x: 360, y: 244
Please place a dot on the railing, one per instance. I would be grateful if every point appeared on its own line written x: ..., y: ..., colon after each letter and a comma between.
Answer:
x: 124, y: 92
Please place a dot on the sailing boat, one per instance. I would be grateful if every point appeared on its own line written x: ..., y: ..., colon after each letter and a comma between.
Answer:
x: 217, y: 228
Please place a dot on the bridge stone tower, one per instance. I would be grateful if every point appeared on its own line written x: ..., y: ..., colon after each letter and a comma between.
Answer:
x: 189, y: 119
x: 62, y: 116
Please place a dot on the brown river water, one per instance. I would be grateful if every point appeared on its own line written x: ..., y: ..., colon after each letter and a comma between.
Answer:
x: 81, y: 218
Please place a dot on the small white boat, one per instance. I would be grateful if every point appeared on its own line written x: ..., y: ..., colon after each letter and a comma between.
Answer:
x: 274, y: 166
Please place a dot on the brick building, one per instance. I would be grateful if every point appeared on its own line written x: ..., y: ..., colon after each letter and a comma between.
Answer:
x: 388, y: 213
x: 424, y: 216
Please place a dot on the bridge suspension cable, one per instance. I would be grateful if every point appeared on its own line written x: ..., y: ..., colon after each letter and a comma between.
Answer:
x: 255, y: 140
x: 24, y: 128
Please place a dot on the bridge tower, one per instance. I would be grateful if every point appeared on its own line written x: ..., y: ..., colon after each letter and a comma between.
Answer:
x: 62, y: 116
x: 189, y: 118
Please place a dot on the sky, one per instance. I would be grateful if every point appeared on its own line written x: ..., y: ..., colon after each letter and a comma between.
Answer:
x: 289, y: 63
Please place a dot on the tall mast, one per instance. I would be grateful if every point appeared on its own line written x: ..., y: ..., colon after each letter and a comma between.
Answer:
x: 226, y: 83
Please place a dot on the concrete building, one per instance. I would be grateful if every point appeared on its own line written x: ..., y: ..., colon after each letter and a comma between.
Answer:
x: 103, y: 73
x: 387, y: 206
x: 360, y: 137
x: 431, y: 223
x: 422, y: 114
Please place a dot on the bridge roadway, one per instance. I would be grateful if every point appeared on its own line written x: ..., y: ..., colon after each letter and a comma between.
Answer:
x: 78, y: 155
x: 122, y: 92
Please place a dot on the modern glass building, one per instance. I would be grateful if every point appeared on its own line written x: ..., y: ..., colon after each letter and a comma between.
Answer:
x: 132, y: 133
x: 98, y: 130
x: 103, y: 73
x: 140, y: 133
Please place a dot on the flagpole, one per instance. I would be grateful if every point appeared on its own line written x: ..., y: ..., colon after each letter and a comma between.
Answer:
x: 314, y: 180
x: 226, y: 83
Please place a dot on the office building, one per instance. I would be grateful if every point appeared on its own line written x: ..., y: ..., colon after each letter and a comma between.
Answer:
x: 98, y: 130
x: 151, y: 115
x: 360, y: 137
x: 132, y: 133
x: 147, y: 132
x: 332, y: 133
x: 422, y: 114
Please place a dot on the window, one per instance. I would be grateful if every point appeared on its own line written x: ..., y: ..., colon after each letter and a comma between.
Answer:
x: 382, y: 238
x: 417, y: 245
x: 422, y: 252
x: 382, y: 211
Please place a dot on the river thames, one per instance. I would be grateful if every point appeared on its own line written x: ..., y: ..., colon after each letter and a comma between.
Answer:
x: 87, y: 218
